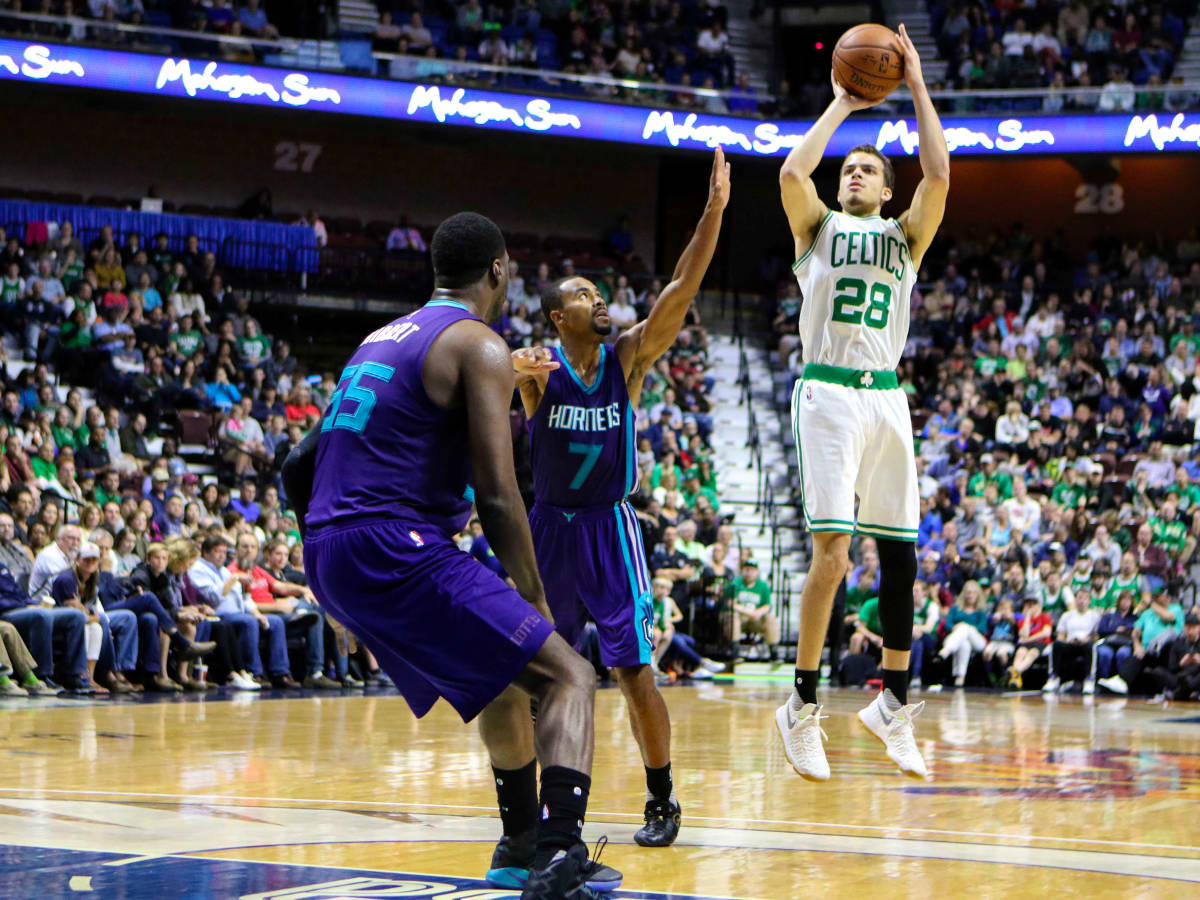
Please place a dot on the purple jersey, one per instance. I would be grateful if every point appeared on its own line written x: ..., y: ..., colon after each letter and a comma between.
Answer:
x: 582, y: 437
x: 386, y: 449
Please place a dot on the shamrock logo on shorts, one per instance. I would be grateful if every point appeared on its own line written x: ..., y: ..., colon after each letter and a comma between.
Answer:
x: 867, y: 379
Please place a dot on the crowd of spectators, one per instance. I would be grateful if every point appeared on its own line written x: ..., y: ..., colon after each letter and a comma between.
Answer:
x: 1065, y: 46
x: 142, y: 519
x: 109, y: 537
x: 661, y: 43
x: 1055, y: 407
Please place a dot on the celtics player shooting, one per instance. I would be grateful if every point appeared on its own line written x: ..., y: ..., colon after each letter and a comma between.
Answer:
x: 853, y: 435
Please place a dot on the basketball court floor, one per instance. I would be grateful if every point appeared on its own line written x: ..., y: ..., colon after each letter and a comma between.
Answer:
x: 327, y: 797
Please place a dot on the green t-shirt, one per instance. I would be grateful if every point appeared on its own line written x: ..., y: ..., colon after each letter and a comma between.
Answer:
x: 660, y: 613
x: 979, y: 482
x: 756, y: 595
x: 1068, y: 495
x: 1134, y: 583
x: 10, y: 291
x: 694, y: 472
x: 186, y: 342
x: 987, y: 366
x: 657, y: 473
x: 1152, y: 626
x: 70, y: 275
x: 693, y: 551
x: 43, y: 469
x: 868, y: 614
x: 689, y: 499
x: 64, y: 437
x: 253, y: 350
x: 1170, y: 535
x: 72, y: 337
x: 1189, y: 497
x: 856, y: 597
x: 103, y: 497
x: 1193, y: 341
x: 1016, y: 369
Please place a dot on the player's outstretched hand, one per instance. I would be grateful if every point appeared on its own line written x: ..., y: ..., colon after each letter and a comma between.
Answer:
x: 851, y: 101
x: 912, y: 60
x: 533, y: 361
x: 718, y: 183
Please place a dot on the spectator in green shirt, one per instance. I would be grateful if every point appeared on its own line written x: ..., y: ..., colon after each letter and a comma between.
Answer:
x: 1069, y: 493
x: 868, y: 631
x: 693, y: 489
x: 1187, y: 493
x: 187, y: 340
x: 1171, y: 534
x: 253, y: 348
x: 750, y: 598
x: 989, y: 474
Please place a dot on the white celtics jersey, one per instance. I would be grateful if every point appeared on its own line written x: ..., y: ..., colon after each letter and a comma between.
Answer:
x: 856, y: 280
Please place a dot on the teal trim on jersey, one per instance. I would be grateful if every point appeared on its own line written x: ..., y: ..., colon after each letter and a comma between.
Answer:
x: 461, y: 306
x: 863, y: 379
x: 640, y: 600
x: 816, y: 237
x: 630, y: 451
x: 575, y: 375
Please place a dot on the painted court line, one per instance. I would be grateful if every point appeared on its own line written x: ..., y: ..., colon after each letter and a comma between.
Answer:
x: 490, y: 812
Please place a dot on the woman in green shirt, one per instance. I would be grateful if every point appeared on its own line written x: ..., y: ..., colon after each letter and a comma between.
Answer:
x: 966, y: 624
x: 75, y: 333
x: 62, y: 431
x: 44, y: 467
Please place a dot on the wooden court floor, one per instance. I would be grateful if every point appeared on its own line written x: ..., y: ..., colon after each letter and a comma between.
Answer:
x: 326, y: 797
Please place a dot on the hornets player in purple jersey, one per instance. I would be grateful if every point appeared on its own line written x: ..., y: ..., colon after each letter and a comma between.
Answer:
x: 588, y: 542
x: 418, y: 425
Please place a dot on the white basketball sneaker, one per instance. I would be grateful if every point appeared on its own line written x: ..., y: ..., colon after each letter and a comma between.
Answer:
x: 800, y: 727
x: 895, y: 731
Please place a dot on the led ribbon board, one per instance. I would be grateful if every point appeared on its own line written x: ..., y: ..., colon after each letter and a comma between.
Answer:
x: 440, y: 105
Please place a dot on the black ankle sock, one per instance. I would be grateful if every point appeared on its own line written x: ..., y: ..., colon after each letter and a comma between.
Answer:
x: 659, y: 782
x: 516, y: 792
x: 806, y: 684
x: 564, y: 804
x: 896, y: 681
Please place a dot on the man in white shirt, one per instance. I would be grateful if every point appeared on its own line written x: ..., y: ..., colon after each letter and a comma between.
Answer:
x: 52, y: 561
x: 1072, y: 651
x: 1024, y: 512
x: 1117, y: 95
x: 1158, y: 468
x: 223, y: 591
x: 1102, y: 546
x: 1017, y: 40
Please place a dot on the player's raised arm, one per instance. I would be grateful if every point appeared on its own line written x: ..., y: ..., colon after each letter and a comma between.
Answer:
x: 643, y: 344
x: 487, y: 383
x: 921, y: 221
x: 800, y: 201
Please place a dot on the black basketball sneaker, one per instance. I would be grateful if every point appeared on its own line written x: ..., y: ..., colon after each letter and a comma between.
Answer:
x: 662, y: 824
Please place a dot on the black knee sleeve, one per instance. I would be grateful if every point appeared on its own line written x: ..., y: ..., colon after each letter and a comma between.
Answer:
x: 897, y: 572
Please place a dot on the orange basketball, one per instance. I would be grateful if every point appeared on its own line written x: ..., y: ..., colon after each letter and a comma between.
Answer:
x: 867, y: 61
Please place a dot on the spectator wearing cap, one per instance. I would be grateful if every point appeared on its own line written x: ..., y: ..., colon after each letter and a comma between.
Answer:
x: 749, y: 598
x: 160, y: 478
x: 111, y: 638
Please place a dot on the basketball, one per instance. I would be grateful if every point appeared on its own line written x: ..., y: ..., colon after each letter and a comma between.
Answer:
x: 867, y: 61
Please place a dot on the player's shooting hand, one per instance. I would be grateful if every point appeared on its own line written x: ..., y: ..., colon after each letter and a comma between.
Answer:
x: 912, y: 60
x: 533, y: 361
x: 852, y: 102
x: 718, y: 183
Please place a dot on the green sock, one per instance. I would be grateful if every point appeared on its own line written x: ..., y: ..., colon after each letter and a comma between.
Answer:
x: 30, y: 679
x: 5, y: 681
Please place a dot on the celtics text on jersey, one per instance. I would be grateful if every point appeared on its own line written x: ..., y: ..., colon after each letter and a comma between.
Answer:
x: 856, y: 279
